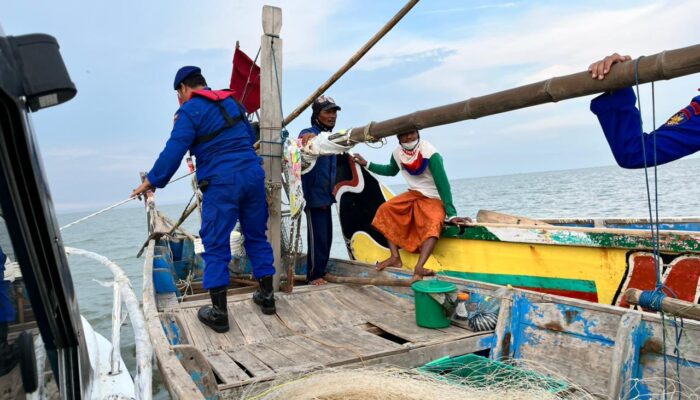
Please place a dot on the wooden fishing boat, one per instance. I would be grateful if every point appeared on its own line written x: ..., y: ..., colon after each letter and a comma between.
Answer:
x: 373, y: 324
x: 589, y: 259
x: 368, y: 317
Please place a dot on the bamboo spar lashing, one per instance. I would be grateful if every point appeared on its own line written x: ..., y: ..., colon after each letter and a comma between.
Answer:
x: 662, y: 66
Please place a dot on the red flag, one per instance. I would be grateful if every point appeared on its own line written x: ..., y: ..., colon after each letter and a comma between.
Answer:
x: 245, y: 81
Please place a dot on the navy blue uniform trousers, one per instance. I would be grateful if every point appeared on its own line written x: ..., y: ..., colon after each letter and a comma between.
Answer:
x: 222, y: 206
x: 319, y: 223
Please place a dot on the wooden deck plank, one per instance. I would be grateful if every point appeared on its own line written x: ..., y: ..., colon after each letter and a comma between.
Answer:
x: 386, y: 302
x: 300, y: 355
x: 302, y: 310
x: 234, y: 298
x: 405, y: 327
x: 326, y: 354
x: 251, y: 363
x: 455, y: 331
x: 234, y: 334
x: 316, y: 305
x: 198, y: 336
x: 253, y: 329
x: 366, y: 306
x: 370, y: 342
x: 355, y: 341
x: 400, y: 303
x: 347, y: 315
x: 217, y: 340
x: 290, y: 318
x: 273, y: 324
x: 270, y: 357
x: 226, y: 368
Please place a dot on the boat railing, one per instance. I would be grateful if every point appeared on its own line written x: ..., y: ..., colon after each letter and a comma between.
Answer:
x: 124, y: 293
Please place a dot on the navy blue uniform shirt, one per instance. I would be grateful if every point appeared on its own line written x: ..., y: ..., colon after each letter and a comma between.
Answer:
x: 216, y: 159
x: 619, y: 118
x: 318, y: 183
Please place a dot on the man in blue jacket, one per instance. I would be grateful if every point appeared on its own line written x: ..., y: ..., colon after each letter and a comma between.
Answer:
x: 215, y: 129
x: 318, y: 184
x: 619, y: 117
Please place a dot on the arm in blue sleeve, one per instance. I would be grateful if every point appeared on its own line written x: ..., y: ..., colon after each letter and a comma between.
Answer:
x: 619, y: 118
x: 169, y: 160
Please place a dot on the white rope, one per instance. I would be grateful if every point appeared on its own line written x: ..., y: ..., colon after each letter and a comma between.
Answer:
x: 99, y: 212
x: 144, y: 348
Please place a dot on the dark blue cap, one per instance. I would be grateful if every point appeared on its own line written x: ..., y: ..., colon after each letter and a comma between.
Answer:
x: 183, y: 73
x: 324, y: 103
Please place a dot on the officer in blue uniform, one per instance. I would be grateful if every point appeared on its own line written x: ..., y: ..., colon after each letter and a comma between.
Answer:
x: 318, y: 184
x: 8, y: 355
x: 214, y: 128
x: 619, y: 118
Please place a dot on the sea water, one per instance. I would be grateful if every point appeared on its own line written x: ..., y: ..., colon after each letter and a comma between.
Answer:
x: 591, y: 192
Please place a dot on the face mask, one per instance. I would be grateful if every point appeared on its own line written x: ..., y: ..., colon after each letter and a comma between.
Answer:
x: 410, y: 145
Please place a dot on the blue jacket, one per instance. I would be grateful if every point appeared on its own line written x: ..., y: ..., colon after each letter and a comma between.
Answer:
x: 619, y: 118
x: 216, y: 159
x: 318, y: 183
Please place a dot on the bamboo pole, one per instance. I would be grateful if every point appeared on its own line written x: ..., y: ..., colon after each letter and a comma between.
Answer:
x: 352, y: 61
x: 368, y: 281
x: 669, y: 305
x: 665, y: 65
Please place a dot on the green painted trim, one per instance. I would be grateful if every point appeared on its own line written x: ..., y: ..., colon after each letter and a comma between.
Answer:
x: 527, y: 281
x: 472, y: 232
x: 670, y: 242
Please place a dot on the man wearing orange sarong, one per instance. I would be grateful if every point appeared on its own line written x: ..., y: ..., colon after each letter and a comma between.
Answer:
x: 413, y: 220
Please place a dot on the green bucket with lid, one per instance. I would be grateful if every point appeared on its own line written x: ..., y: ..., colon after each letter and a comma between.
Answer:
x: 429, y: 313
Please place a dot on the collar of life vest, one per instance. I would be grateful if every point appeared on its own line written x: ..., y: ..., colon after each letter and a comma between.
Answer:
x: 213, y: 95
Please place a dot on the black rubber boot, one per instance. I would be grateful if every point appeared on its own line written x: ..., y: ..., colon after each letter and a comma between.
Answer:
x: 8, y: 354
x: 216, y: 315
x: 265, y: 295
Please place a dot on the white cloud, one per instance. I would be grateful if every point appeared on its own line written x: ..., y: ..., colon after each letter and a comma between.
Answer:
x: 550, y: 41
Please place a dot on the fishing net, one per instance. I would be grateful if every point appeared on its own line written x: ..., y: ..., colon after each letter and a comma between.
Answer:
x: 461, y: 380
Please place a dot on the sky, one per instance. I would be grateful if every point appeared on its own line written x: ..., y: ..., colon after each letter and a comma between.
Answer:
x: 123, y: 57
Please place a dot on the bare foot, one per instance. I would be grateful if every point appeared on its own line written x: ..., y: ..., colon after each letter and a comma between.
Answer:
x: 390, y: 262
x: 318, y: 282
x: 419, y: 274
x: 424, y: 272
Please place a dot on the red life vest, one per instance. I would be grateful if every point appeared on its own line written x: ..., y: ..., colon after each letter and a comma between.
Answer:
x: 218, y: 96
x: 213, y: 95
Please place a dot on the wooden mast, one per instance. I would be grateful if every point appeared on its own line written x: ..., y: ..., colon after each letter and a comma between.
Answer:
x: 665, y: 65
x: 271, y: 126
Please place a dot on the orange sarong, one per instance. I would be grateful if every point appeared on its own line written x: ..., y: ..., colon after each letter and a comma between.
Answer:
x: 408, y: 219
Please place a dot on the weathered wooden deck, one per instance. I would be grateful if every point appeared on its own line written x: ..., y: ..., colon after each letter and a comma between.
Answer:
x: 323, y: 326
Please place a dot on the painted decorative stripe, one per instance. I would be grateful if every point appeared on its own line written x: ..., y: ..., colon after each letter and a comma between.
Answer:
x: 673, y: 242
x: 529, y: 282
x: 587, y: 296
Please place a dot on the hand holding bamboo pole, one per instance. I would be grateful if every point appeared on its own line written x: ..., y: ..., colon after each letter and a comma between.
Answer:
x: 665, y: 65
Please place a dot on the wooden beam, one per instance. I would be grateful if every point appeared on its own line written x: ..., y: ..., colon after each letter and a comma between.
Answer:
x: 176, y: 379
x: 271, y: 127
x: 669, y: 305
x: 368, y: 281
x: 352, y: 61
x: 665, y: 65
x: 624, y: 353
x: 486, y: 216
